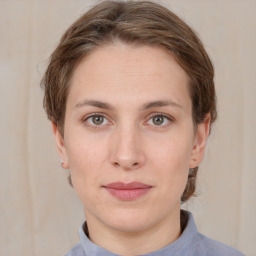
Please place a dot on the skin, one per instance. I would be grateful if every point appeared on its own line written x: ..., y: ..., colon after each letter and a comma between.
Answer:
x: 130, y: 145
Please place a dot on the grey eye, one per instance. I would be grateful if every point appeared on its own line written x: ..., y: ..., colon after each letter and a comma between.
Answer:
x: 158, y: 120
x: 97, y: 120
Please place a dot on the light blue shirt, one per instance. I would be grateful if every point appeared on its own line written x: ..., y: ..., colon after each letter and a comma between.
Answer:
x: 190, y: 243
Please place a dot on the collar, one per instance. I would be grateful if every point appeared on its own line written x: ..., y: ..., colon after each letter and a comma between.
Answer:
x: 179, y: 247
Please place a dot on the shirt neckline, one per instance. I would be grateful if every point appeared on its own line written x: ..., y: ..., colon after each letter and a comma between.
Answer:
x: 186, y: 240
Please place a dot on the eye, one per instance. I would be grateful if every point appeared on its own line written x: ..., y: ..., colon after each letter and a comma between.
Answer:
x: 159, y: 119
x: 96, y: 120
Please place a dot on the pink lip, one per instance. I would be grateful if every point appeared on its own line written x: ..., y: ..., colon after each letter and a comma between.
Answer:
x: 127, y: 191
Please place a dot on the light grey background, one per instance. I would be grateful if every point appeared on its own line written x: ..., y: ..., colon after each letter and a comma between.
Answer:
x: 39, y: 212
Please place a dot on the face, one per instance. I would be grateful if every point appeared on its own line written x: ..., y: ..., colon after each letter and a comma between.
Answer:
x: 129, y: 138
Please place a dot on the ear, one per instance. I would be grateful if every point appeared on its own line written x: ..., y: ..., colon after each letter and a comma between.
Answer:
x: 200, y: 139
x: 60, y: 146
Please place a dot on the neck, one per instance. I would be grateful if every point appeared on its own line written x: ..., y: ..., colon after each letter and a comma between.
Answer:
x: 135, y: 243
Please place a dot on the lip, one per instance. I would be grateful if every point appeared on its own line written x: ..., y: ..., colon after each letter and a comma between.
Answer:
x: 127, y: 191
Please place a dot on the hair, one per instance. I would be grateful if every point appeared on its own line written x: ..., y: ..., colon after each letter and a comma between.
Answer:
x: 134, y: 23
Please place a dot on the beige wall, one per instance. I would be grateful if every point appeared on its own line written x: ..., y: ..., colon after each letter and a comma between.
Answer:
x: 39, y: 213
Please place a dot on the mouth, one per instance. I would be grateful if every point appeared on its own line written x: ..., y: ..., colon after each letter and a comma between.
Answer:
x: 127, y: 191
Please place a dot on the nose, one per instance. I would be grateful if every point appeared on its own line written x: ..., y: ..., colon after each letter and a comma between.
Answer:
x: 127, y: 149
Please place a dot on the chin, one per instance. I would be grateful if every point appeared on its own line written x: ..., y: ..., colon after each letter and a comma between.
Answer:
x: 130, y: 221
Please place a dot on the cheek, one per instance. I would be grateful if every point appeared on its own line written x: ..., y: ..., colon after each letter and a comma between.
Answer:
x: 170, y: 161
x: 86, y: 167
x: 172, y: 152
x: 86, y: 155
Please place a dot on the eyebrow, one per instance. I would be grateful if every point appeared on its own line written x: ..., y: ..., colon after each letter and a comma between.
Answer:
x: 104, y: 105
x: 94, y: 103
x: 161, y: 103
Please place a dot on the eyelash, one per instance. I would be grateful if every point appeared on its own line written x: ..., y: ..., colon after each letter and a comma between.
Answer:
x: 86, y: 118
x: 166, y: 117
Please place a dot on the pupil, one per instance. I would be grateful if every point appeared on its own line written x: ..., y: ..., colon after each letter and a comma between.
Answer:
x: 97, y: 120
x: 158, y: 120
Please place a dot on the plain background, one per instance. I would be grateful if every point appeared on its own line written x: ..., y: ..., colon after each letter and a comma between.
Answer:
x: 39, y: 212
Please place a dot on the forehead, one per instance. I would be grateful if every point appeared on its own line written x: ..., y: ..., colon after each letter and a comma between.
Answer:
x: 124, y: 72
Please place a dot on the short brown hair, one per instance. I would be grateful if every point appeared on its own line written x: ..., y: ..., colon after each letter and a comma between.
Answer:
x: 135, y: 23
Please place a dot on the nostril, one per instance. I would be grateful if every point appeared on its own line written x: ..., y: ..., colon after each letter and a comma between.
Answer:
x: 134, y: 165
x: 117, y: 164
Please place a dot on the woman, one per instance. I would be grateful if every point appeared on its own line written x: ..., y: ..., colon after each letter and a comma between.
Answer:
x: 130, y: 94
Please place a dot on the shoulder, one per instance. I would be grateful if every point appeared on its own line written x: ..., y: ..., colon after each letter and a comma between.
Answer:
x: 200, y: 245
x: 77, y: 250
x: 210, y: 247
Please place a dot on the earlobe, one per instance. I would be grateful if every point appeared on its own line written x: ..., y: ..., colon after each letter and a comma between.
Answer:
x: 201, y: 136
x: 60, y: 145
